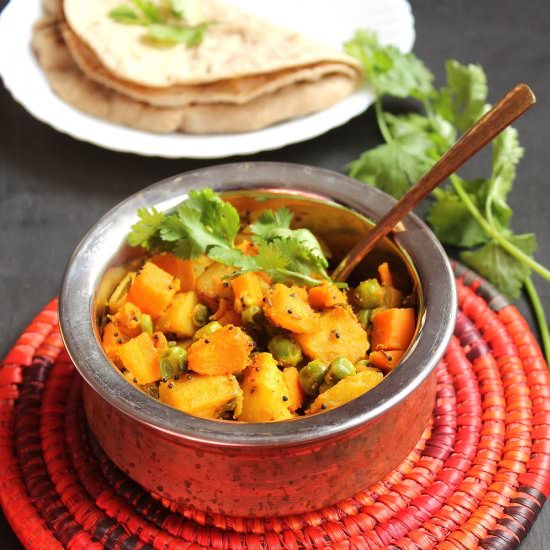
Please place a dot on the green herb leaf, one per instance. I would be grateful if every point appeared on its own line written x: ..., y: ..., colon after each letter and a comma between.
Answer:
x: 464, y: 99
x: 171, y: 34
x: 395, y: 166
x: 126, y: 14
x: 205, y: 224
x: 150, y: 222
x: 451, y: 220
x: 390, y: 71
x: 506, y: 156
x: 272, y: 224
x: 178, y: 7
x: 496, y: 265
x: 149, y: 10
x: 164, y: 22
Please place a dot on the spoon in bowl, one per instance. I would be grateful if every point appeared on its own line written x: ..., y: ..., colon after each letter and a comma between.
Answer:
x: 516, y: 102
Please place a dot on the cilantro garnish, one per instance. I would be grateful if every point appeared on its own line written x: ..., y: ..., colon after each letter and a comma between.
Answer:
x: 471, y: 214
x: 205, y: 224
x: 164, y: 21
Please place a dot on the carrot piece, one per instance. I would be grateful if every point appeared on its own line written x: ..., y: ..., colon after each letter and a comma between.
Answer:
x: 291, y: 376
x: 386, y: 360
x: 152, y: 289
x: 140, y: 357
x: 393, y: 329
x: 325, y: 296
x: 248, y: 291
x: 225, y: 351
x: 287, y: 307
x: 112, y: 340
x: 182, y: 269
x: 128, y: 319
x: 385, y: 275
x: 337, y: 333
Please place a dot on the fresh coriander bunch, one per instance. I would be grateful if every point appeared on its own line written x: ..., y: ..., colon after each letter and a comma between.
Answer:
x: 472, y: 215
x: 206, y: 224
x: 164, y: 21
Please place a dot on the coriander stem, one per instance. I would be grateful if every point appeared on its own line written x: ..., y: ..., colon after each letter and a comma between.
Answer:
x: 300, y: 276
x: 495, y: 234
x: 539, y: 315
x: 384, y: 130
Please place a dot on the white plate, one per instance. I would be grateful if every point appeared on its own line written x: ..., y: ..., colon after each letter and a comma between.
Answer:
x: 325, y: 20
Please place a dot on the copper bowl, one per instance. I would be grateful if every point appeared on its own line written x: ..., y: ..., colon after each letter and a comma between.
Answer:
x: 265, y: 469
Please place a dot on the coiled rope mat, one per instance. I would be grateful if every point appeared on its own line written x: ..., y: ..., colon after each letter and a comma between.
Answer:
x: 477, y: 478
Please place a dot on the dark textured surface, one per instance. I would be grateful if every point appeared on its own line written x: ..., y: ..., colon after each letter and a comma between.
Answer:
x: 53, y: 188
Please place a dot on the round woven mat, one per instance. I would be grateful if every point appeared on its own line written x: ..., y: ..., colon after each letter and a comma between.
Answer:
x: 478, y: 476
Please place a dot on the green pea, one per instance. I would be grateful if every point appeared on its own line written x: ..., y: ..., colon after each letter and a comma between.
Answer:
x: 207, y: 330
x: 363, y: 316
x: 311, y: 376
x: 173, y: 361
x: 200, y: 315
x: 370, y: 294
x: 285, y: 350
x: 253, y: 317
x: 146, y: 323
x: 339, y: 369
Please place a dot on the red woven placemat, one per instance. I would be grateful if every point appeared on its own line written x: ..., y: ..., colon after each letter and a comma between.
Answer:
x: 478, y: 476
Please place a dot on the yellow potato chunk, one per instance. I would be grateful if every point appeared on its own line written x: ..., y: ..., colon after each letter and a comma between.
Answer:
x: 204, y: 396
x: 178, y: 317
x: 337, y: 334
x: 291, y: 376
x: 288, y: 307
x: 346, y: 390
x: 266, y: 396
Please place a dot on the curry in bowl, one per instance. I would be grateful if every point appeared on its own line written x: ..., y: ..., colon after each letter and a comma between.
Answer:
x: 236, y: 318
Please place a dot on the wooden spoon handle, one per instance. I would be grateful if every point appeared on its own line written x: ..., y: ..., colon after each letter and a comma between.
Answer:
x: 503, y: 113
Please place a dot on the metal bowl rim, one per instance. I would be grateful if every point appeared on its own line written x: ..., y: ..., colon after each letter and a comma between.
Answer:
x: 85, y: 268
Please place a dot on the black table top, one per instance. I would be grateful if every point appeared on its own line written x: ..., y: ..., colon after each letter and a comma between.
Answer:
x: 54, y: 188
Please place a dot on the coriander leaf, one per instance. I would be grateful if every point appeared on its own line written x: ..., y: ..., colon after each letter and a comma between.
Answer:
x: 171, y: 34
x: 506, y: 156
x: 269, y: 224
x: 127, y: 15
x: 495, y: 264
x: 390, y: 71
x: 196, y: 237
x: 148, y: 9
x: 202, y: 221
x: 148, y: 225
x: 233, y: 257
x: 451, y: 220
x: 178, y: 8
x: 274, y: 228
x: 395, y: 166
x: 464, y: 98
x: 286, y: 261
x: 441, y: 133
x: 218, y: 215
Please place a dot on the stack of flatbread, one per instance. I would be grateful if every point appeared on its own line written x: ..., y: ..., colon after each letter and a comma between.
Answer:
x: 246, y: 74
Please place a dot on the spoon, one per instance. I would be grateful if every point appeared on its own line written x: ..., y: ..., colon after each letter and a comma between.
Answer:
x: 518, y: 100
